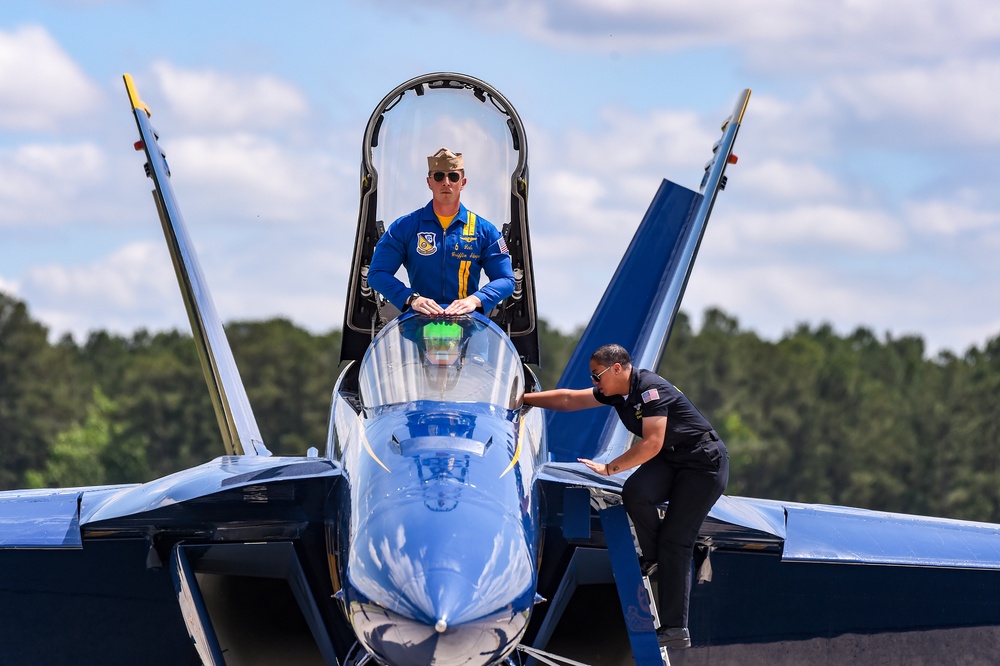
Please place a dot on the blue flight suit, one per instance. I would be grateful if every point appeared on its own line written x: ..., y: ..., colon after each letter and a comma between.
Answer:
x: 442, y: 264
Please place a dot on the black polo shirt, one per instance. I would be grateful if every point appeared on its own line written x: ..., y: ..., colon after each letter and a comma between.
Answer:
x: 652, y: 395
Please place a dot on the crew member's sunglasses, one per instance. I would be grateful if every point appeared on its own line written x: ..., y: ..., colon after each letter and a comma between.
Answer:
x: 596, y: 376
x: 453, y: 176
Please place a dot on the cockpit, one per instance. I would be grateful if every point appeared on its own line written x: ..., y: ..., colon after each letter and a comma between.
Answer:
x: 464, y: 359
x: 452, y: 110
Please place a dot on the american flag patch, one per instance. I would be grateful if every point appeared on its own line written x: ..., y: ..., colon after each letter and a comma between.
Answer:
x: 503, y: 245
x: 651, y: 394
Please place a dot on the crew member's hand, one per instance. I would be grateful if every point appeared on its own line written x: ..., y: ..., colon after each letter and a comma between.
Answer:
x: 463, y: 306
x: 598, y: 467
x: 427, y: 306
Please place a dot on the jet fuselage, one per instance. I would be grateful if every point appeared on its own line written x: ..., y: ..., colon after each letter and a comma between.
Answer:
x: 438, y: 553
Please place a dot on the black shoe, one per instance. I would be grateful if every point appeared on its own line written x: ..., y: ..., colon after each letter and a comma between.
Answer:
x: 673, y: 637
x: 647, y: 567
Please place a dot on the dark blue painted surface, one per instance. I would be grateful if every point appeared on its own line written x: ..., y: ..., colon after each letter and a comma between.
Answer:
x: 758, y: 598
x: 576, y: 513
x: 631, y: 592
x: 95, y: 605
x: 642, y: 279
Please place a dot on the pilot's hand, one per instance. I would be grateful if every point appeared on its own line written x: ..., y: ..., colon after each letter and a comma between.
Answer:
x: 427, y: 306
x: 463, y: 306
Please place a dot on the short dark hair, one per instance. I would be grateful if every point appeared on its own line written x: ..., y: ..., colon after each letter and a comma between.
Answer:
x: 610, y: 354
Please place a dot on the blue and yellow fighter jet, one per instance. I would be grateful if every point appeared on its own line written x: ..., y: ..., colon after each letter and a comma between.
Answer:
x: 445, y: 522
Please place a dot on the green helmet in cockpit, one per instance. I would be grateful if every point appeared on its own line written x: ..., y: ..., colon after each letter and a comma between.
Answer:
x: 442, y: 343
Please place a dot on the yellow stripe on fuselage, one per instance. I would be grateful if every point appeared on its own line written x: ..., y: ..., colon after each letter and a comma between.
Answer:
x: 517, y: 451
x: 368, y: 448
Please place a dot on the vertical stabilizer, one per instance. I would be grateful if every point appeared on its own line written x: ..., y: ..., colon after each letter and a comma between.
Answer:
x: 232, y: 407
x: 638, y: 308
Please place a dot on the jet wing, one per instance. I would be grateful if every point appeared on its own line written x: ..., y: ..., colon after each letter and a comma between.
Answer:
x: 46, y: 518
x: 820, y: 533
x: 772, y: 573
x: 114, y: 567
x: 844, y: 535
x: 58, y: 518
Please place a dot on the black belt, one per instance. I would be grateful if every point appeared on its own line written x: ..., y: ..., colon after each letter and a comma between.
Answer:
x: 691, y: 444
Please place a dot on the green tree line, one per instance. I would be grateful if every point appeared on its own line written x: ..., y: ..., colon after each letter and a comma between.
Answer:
x: 812, y: 417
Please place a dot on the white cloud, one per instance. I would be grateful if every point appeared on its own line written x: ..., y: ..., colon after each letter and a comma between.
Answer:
x: 790, y: 181
x: 123, y: 279
x: 579, y: 192
x: 47, y: 184
x: 628, y: 142
x: 134, y: 284
x: 782, y: 34
x: 42, y: 86
x: 818, y: 224
x: 949, y: 218
x: 249, y: 175
x: 772, y: 298
x: 925, y: 105
x: 606, y: 177
x: 9, y: 286
x: 212, y: 100
x: 302, y: 278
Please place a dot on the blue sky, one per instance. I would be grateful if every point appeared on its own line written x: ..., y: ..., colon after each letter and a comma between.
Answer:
x: 865, y: 192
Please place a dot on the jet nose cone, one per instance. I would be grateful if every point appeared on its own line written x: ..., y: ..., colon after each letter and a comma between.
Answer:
x: 448, y: 594
x: 450, y: 638
x: 400, y: 641
x: 451, y: 592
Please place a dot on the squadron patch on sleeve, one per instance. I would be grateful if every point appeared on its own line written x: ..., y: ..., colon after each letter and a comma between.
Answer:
x: 426, y: 243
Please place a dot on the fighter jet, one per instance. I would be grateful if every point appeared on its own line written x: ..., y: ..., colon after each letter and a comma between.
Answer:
x: 443, y: 521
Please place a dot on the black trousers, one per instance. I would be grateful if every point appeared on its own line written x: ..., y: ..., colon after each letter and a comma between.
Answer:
x: 690, y: 481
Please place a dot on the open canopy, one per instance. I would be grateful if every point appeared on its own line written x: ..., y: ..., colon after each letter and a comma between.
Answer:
x: 413, y: 121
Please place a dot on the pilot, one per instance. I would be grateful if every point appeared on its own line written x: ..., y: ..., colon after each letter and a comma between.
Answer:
x: 444, y: 247
x: 681, y: 460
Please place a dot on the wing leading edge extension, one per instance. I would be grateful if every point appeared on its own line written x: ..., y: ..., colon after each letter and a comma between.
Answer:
x: 650, y: 279
x: 232, y: 408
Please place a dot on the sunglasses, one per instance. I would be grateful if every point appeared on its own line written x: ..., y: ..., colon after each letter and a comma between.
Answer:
x: 596, y: 376
x: 453, y: 176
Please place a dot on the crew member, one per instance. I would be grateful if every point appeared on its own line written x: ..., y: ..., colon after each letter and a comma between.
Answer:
x: 444, y: 247
x: 680, y: 460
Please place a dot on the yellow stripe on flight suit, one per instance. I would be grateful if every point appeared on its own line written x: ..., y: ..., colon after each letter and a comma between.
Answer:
x: 464, y: 267
x: 463, y: 278
x: 470, y: 226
